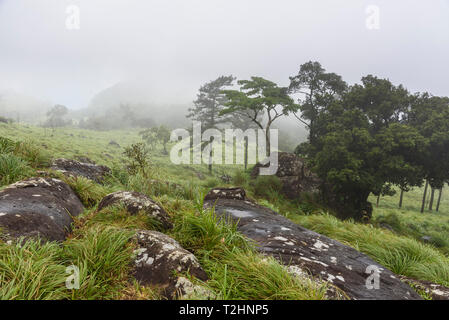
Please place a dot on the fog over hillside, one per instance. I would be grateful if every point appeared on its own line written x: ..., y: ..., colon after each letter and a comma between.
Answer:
x: 156, y: 54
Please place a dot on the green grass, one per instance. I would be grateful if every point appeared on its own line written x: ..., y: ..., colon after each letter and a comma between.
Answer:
x: 409, y: 221
x: 13, y: 168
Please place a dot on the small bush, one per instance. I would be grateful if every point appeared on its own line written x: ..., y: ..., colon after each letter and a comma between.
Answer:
x: 240, y: 178
x: 264, y: 186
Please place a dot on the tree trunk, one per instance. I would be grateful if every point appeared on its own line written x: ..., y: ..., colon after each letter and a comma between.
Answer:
x: 439, y: 200
x: 424, y: 197
x: 267, y: 142
x: 432, y: 196
x: 378, y: 199
x: 401, y: 197
x: 210, y: 155
x: 246, y: 153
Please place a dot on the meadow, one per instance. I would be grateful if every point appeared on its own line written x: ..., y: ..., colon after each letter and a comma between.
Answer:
x: 100, y: 243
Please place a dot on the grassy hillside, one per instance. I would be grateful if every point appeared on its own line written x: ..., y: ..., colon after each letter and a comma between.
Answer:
x: 38, y: 272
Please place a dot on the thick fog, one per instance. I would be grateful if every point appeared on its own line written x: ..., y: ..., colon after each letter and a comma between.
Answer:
x: 160, y: 52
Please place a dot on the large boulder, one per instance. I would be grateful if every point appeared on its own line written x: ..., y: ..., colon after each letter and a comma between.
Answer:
x: 75, y: 168
x: 161, y: 262
x: 293, y: 245
x: 296, y: 178
x: 38, y: 207
x: 135, y: 202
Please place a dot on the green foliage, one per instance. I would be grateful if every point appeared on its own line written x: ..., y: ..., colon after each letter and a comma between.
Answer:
x: 137, y: 156
x: 154, y: 135
x: 258, y: 97
x: 265, y: 186
x: 210, y: 102
x: 55, y: 117
x: 362, y: 146
x: 211, y: 182
x: 88, y: 191
x: 240, y: 178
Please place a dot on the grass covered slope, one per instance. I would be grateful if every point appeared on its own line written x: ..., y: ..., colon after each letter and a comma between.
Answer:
x: 100, y: 244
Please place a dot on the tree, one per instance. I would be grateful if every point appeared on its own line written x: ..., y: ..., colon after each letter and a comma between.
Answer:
x: 364, y: 147
x: 208, y: 106
x: 55, y: 117
x: 260, y: 97
x: 157, y: 134
x: 210, y: 102
x: 319, y: 90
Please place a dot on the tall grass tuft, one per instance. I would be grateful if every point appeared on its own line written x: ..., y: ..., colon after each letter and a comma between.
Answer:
x: 13, y: 168
x: 88, y: 191
x: 103, y: 256
x: 31, y: 271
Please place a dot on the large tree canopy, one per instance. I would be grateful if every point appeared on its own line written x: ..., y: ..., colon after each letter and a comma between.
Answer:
x: 259, y: 99
x: 210, y: 102
x: 364, y: 146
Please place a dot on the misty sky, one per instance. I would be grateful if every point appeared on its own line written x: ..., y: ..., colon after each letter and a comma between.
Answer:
x: 170, y: 47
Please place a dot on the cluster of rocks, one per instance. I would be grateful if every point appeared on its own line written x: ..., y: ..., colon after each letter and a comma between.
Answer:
x: 296, y: 178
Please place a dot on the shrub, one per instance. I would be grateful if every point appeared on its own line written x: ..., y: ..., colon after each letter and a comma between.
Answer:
x: 265, y: 186
x: 240, y: 178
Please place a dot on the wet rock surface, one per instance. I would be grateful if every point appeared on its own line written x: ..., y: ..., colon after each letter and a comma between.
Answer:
x: 294, y: 175
x: 293, y: 245
x: 75, y: 168
x: 135, y: 202
x: 38, y: 207
x: 435, y: 291
x: 161, y: 262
